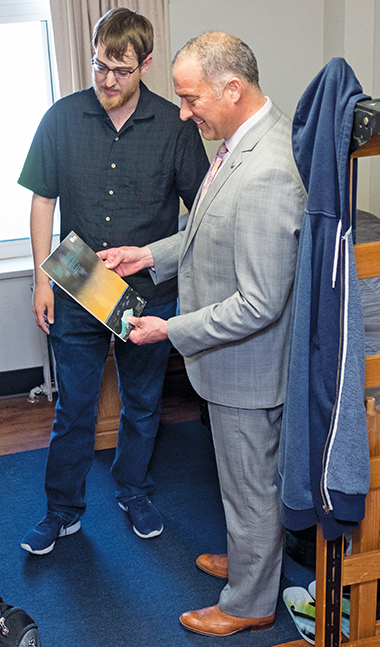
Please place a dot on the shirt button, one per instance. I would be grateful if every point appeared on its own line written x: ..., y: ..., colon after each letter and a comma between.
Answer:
x: 108, y: 218
x: 105, y: 244
x: 110, y: 192
x: 113, y: 165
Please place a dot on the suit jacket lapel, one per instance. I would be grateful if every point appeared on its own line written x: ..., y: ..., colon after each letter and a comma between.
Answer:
x: 229, y: 166
x: 222, y: 176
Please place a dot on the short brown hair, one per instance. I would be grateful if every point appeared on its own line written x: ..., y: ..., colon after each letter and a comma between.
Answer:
x: 121, y: 27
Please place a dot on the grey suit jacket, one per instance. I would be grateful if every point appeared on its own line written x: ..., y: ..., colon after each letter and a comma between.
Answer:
x: 236, y: 263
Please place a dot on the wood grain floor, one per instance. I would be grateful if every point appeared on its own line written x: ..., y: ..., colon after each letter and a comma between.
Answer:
x: 25, y: 425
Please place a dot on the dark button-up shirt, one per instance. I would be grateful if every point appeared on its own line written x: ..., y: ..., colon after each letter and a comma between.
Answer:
x: 117, y: 187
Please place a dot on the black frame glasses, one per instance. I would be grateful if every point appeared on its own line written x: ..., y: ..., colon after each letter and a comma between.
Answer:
x: 118, y: 72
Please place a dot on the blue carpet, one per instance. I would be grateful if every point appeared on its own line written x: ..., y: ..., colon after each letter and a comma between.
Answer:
x: 106, y: 587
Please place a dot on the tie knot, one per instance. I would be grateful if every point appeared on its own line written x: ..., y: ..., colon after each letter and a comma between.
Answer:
x: 222, y: 150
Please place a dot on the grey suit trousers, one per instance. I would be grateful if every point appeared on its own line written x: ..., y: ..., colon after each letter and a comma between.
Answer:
x: 246, y: 443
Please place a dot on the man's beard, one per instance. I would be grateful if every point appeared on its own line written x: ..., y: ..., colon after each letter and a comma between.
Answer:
x: 119, y: 100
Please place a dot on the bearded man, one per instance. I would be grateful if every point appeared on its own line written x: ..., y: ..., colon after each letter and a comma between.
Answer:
x: 119, y: 158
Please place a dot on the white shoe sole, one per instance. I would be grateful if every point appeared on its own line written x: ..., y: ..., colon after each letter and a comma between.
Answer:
x: 154, y: 533
x: 64, y: 532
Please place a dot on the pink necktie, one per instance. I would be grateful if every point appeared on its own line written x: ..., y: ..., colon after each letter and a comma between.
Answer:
x: 215, y: 164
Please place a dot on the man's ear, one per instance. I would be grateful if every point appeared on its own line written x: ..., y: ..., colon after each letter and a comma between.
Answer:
x: 234, y: 88
x: 145, y: 65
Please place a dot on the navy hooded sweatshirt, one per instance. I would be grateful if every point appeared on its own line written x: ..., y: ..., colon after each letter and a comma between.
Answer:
x: 323, y: 464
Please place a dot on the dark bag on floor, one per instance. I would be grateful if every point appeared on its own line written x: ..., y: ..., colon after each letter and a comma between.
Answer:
x: 17, y: 629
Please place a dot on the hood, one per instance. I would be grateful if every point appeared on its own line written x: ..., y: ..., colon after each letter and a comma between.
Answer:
x: 321, y: 137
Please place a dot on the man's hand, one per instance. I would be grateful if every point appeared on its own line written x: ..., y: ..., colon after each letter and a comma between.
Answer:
x: 147, y: 330
x: 43, y: 306
x: 126, y: 260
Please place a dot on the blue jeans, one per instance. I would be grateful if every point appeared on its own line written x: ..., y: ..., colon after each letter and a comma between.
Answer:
x: 80, y: 344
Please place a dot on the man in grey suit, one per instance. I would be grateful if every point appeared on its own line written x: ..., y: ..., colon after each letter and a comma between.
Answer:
x: 235, y: 263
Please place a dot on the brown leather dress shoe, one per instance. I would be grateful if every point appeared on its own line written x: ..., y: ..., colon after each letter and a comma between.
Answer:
x: 216, y: 565
x: 213, y: 622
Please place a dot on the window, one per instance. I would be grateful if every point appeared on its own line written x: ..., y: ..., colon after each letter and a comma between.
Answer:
x: 27, y: 92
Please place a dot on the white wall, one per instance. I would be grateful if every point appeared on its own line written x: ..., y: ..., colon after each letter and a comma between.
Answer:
x: 285, y: 35
x: 361, y: 48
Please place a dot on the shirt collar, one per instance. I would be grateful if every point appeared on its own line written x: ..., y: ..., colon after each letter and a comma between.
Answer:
x: 144, y: 109
x: 233, y: 141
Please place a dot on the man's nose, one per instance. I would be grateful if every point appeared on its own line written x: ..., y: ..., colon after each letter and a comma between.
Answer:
x: 111, y: 80
x: 185, y: 111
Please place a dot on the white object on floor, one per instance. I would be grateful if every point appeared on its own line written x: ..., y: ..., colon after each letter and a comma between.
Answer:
x: 301, y: 607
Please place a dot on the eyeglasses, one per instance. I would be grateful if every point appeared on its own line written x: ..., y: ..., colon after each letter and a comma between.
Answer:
x: 119, y: 73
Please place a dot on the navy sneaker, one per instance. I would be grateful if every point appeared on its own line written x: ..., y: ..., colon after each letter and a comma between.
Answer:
x: 146, y: 520
x: 41, y: 539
